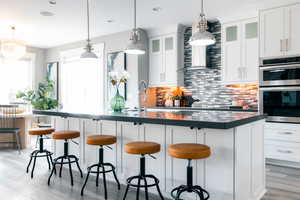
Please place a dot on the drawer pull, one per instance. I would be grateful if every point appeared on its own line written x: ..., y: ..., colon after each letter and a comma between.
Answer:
x: 285, y: 133
x: 284, y: 151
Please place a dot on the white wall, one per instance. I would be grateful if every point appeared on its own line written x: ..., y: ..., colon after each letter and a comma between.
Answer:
x: 39, y: 70
x: 136, y: 65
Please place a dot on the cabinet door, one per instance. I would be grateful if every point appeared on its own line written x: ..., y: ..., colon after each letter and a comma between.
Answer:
x: 293, y: 30
x: 156, y: 70
x: 170, y: 60
x: 250, y: 51
x: 272, y: 33
x: 232, y: 57
x: 129, y: 164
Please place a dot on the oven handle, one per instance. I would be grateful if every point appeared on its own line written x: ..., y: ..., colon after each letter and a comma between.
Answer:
x: 262, y: 68
x: 279, y: 89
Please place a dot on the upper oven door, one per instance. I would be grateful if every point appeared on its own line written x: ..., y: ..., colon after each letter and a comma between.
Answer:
x: 280, y: 101
x: 280, y: 75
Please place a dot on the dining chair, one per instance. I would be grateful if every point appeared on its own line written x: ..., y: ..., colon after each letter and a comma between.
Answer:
x: 8, y: 115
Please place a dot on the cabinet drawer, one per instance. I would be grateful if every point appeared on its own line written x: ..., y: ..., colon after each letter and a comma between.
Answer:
x: 282, y: 151
x: 289, y: 135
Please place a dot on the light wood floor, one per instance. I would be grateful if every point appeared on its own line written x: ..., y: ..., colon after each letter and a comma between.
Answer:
x: 15, y: 184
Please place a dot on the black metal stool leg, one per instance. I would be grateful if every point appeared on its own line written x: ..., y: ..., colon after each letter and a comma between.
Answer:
x: 70, y: 170
x: 115, y: 176
x: 126, y: 191
x: 97, y: 177
x: 104, y: 182
x: 138, y: 188
x: 146, y: 188
x: 158, y: 189
x: 85, y: 182
x: 34, y: 161
x: 80, y: 171
x: 51, y: 173
x: 31, y: 156
x: 47, y: 156
x: 61, y: 166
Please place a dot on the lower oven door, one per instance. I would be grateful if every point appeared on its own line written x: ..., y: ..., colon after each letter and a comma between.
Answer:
x: 281, y: 104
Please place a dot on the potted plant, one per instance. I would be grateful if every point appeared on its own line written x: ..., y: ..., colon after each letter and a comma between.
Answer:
x: 41, y: 98
x: 118, y: 102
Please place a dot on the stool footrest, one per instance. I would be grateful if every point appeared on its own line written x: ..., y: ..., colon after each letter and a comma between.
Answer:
x: 130, y: 179
x: 199, y: 191
x: 89, y: 169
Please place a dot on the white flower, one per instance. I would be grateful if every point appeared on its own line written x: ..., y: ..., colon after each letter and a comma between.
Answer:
x: 125, y: 75
x: 113, y: 75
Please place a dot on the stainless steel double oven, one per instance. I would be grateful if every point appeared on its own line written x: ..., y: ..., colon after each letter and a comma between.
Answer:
x: 280, y: 90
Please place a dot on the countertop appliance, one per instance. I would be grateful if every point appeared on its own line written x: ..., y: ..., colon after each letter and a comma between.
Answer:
x: 280, y: 90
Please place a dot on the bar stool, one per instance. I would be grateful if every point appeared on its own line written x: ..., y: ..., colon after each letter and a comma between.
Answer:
x: 40, y: 133
x: 101, y: 140
x: 66, y: 136
x: 189, y: 152
x: 142, y: 148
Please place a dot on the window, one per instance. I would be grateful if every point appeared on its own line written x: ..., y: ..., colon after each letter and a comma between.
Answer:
x: 15, y: 76
x: 82, y: 83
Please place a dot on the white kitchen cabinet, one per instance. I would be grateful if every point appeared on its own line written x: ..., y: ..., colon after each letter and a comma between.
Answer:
x: 240, y: 52
x: 279, y: 32
x: 282, y: 141
x: 166, y: 59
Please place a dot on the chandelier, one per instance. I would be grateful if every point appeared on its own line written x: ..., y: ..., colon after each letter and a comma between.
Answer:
x: 12, y: 48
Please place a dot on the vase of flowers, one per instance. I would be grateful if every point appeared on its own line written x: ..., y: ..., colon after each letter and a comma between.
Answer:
x: 117, y: 103
x: 177, y: 95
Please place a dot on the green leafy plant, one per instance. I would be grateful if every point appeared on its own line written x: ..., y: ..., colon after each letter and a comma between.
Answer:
x: 40, y: 99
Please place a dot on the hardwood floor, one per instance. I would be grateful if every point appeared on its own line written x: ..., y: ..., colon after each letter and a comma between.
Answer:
x: 15, y: 184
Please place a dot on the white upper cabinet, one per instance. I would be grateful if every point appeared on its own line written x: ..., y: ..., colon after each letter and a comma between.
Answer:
x: 240, y: 52
x: 279, y: 32
x: 166, y: 58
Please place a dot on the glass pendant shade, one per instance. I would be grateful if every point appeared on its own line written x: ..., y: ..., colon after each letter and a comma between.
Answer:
x: 88, y: 54
x: 204, y: 38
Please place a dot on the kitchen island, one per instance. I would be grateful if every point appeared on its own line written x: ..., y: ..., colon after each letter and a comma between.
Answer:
x: 235, y: 170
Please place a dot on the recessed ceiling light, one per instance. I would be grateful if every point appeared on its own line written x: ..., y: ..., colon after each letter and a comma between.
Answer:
x: 46, y: 13
x: 157, y: 9
x: 52, y: 2
x: 110, y: 21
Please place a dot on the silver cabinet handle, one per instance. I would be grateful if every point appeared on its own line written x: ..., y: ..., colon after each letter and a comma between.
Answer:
x: 281, y: 45
x: 286, y: 44
x: 284, y: 151
x: 285, y: 133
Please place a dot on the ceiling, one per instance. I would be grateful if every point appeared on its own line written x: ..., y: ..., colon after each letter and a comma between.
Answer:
x: 69, y: 22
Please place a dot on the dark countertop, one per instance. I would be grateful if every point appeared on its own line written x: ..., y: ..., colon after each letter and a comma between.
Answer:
x: 195, y: 109
x: 195, y: 119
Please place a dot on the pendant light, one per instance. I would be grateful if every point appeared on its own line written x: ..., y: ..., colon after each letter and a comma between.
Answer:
x: 202, y: 37
x: 135, y: 45
x: 88, y: 54
x: 12, y: 48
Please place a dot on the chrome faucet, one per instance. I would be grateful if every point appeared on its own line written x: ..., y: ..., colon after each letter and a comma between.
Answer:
x: 143, y: 87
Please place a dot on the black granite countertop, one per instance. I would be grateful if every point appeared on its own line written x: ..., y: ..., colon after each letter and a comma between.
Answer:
x: 196, y: 108
x: 195, y: 119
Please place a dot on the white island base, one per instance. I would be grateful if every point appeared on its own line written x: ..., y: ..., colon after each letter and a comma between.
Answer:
x: 234, y: 171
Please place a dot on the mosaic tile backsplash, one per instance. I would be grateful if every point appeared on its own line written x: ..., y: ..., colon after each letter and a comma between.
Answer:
x: 205, y: 83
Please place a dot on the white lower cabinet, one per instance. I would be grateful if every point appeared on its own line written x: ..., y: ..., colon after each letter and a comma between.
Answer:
x: 282, y: 141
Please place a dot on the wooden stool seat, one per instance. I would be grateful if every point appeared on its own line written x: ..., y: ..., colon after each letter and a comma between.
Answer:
x: 142, y: 148
x: 41, y: 131
x: 189, y: 151
x: 65, y: 135
x: 101, y: 140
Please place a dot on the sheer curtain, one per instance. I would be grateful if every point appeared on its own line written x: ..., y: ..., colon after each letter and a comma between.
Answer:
x: 82, y: 82
x: 15, y: 76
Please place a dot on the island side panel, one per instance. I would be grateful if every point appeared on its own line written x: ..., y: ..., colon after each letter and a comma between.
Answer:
x: 249, y: 161
x: 219, y: 167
